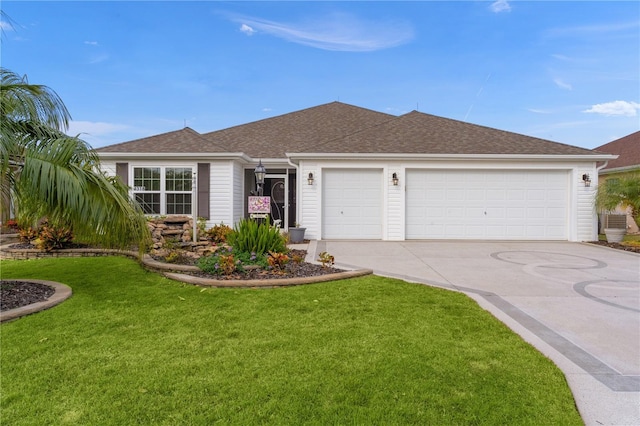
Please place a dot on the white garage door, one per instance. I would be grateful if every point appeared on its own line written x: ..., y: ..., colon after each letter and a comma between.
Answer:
x: 352, y: 204
x: 487, y: 204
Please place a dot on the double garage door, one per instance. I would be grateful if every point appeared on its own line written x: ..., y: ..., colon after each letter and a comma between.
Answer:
x: 450, y: 204
x: 487, y: 204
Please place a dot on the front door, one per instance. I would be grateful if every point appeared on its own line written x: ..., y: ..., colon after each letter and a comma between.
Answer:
x: 275, y: 187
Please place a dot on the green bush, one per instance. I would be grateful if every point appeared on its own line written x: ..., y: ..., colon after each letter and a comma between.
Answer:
x: 250, y: 236
x: 226, y: 261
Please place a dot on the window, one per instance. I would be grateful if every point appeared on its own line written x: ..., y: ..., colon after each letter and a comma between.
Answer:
x: 163, y: 190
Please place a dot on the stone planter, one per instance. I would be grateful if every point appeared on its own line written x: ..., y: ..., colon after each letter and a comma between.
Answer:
x: 615, y: 235
x: 296, y: 235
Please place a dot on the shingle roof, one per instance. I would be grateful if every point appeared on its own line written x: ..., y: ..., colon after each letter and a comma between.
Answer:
x: 341, y: 128
x: 184, y: 140
x: 298, y: 131
x: 627, y: 148
x: 420, y: 133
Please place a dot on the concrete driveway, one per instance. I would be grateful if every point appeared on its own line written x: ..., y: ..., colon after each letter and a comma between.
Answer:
x: 579, y: 304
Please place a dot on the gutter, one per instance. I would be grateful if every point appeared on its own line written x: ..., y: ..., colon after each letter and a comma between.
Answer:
x: 442, y: 157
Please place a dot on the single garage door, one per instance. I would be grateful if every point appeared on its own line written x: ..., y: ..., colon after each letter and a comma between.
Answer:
x: 487, y: 204
x: 352, y: 204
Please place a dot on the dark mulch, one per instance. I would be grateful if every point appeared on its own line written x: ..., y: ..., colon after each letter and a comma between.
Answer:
x: 291, y: 270
x: 14, y: 294
x: 618, y: 246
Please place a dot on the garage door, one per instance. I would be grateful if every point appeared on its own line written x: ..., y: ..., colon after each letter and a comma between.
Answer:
x: 352, y: 204
x: 482, y: 204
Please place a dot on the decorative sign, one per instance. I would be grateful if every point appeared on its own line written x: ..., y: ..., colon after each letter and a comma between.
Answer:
x: 261, y: 205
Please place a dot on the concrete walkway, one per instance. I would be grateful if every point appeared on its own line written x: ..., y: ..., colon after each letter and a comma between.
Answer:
x: 579, y: 304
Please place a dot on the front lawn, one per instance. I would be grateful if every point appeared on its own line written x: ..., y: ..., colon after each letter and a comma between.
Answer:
x: 131, y: 347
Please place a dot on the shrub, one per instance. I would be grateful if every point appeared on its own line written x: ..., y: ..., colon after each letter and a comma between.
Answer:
x: 222, y: 262
x: 252, y: 237
x: 226, y: 261
x: 326, y: 259
x: 218, y: 234
x: 51, y: 237
x: 27, y: 234
x: 278, y: 261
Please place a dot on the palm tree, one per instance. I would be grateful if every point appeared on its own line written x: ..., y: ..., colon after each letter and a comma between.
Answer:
x: 49, y: 174
x: 623, y: 191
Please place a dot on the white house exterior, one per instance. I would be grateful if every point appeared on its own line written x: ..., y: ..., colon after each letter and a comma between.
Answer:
x: 374, y: 176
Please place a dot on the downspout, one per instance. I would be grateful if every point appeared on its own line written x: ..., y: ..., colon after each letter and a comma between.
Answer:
x: 602, y: 167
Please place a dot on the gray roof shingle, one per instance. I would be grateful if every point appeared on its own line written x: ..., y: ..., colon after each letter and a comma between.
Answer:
x: 341, y: 128
x: 420, y: 133
x: 627, y: 148
x: 184, y: 140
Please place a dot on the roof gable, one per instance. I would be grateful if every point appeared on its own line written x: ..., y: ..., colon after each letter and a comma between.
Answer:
x: 184, y: 140
x: 420, y: 133
x: 627, y: 148
x: 296, y: 131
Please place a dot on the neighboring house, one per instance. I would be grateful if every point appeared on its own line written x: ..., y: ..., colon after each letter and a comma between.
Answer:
x: 345, y: 172
x: 628, y: 162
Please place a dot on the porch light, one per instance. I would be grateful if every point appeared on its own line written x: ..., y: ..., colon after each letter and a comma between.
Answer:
x: 586, y: 179
x: 394, y: 179
x: 310, y: 178
x: 260, y: 172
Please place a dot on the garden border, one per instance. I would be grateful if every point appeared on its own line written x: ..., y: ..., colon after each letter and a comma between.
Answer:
x: 172, y: 271
x: 62, y: 293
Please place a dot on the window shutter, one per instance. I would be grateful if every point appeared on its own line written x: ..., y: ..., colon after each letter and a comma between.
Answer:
x: 122, y: 171
x: 203, y: 190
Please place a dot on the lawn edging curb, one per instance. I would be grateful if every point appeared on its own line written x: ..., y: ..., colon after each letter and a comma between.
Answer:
x: 62, y: 293
x: 282, y: 282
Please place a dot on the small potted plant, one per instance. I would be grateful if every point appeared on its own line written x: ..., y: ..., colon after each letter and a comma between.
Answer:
x: 296, y: 234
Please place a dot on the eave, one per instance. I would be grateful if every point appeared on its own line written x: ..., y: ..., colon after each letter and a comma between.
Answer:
x: 296, y: 157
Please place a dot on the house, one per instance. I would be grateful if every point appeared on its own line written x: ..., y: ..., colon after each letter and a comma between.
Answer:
x: 346, y: 172
x: 627, y: 149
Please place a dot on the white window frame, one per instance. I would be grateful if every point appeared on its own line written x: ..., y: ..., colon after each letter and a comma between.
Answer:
x: 163, y: 187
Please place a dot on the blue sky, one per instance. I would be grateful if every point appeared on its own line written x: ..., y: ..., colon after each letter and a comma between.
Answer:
x: 565, y: 71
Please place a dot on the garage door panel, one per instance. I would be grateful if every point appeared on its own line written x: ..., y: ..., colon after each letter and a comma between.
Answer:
x: 491, y: 204
x: 352, y: 204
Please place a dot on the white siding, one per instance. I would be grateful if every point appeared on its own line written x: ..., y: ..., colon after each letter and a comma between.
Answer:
x: 308, y: 200
x: 580, y: 217
x: 395, y: 204
x: 587, y: 221
x: 238, y: 193
x: 109, y: 167
x: 221, y: 186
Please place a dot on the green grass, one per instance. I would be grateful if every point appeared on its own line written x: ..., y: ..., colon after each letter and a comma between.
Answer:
x: 131, y: 347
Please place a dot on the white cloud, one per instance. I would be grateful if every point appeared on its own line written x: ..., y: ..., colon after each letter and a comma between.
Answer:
x: 96, y: 59
x: 499, y: 6
x: 94, y: 128
x: 5, y: 26
x: 247, y: 30
x: 338, y: 32
x: 627, y: 109
x: 91, y: 43
x: 561, y: 84
x: 539, y: 111
x: 267, y: 109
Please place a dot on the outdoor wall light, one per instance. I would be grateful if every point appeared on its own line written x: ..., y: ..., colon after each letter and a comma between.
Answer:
x: 260, y: 172
x: 394, y: 179
x: 310, y: 178
x: 586, y: 179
